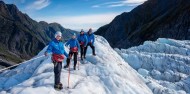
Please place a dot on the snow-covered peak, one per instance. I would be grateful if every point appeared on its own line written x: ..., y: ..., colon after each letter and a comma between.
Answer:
x: 106, y: 73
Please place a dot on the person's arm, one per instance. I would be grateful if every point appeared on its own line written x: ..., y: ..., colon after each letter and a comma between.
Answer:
x: 65, y: 53
x: 78, y: 45
x: 49, y: 49
x: 67, y: 43
x: 93, y: 39
x: 78, y: 38
x: 86, y: 40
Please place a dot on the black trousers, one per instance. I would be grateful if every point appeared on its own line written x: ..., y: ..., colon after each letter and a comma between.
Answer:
x: 75, y: 58
x: 82, y: 51
x: 57, y: 71
x: 93, y: 49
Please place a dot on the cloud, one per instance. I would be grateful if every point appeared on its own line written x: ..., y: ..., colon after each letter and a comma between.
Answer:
x: 84, y: 21
x: 38, y: 4
x: 96, y: 6
x: 120, y: 3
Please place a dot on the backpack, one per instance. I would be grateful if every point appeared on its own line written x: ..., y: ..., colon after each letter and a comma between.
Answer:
x: 74, y: 49
x: 58, y: 57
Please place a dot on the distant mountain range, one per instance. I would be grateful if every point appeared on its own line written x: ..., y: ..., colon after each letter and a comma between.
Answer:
x: 22, y: 37
x: 152, y: 20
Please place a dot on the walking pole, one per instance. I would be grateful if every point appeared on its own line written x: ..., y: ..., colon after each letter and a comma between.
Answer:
x: 69, y: 73
x: 68, y: 76
x: 78, y: 62
x: 78, y: 65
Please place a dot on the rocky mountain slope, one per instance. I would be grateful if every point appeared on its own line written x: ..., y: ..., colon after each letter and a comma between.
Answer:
x: 22, y: 37
x: 152, y: 20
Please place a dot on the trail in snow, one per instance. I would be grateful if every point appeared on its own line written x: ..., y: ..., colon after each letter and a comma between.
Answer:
x: 164, y: 65
x: 106, y: 73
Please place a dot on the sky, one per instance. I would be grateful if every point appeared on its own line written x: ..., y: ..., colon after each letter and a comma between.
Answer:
x: 75, y: 14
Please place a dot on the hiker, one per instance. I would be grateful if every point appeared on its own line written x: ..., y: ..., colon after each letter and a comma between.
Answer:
x: 74, y: 47
x: 56, y: 47
x: 82, y: 38
x: 91, y: 39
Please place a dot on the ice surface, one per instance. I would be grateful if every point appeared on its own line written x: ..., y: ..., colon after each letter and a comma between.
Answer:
x: 164, y: 64
x: 106, y: 73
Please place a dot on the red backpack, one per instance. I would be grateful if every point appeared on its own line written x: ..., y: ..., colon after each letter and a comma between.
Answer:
x: 58, y: 57
x: 81, y: 43
x: 74, y: 49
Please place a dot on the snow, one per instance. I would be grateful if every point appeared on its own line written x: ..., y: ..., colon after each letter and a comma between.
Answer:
x: 156, y: 67
x: 163, y: 64
x: 106, y: 73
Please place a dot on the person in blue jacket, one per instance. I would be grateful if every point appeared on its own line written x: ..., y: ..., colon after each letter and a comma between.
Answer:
x: 82, y: 38
x: 56, y: 47
x: 91, y: 40
x: 74, y: 47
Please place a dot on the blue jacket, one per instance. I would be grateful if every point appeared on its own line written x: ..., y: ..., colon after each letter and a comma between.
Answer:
x: 83, y: 38
x: 56, y: 47
x: 73, y: 43
x: 91, y: 38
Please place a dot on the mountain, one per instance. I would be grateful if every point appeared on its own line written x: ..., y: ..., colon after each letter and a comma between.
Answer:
x: 22, y: 37
x: 105, y: 73
x: 152, y: 20
x: 164, y: 64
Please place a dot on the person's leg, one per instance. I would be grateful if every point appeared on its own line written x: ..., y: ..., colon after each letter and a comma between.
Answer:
x: 75, y: 60
x: 55, y: 72
x: 59, y: 72
x: 81, y: 51
x: 85, y: 50
x: 68, y: 60
x: 93, y: 49
x: 57, y: 68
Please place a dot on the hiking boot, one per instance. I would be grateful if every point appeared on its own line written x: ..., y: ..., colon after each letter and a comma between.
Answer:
x: 61, y: 84
x: 66, y: 66
x: 58, y: 87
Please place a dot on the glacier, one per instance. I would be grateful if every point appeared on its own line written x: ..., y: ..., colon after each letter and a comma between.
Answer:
x: 156, y: 67
x: 163, y: 64
x: 106, y: 73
